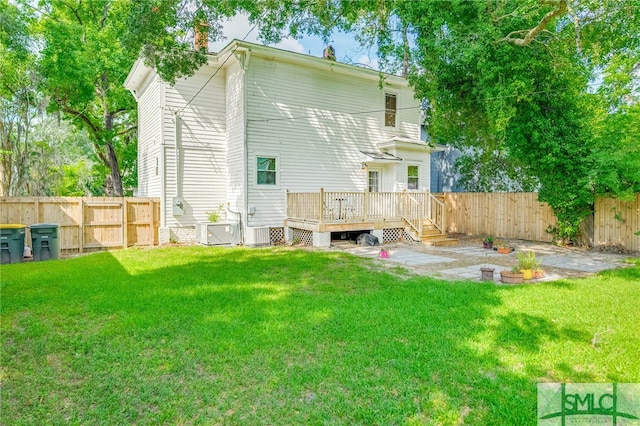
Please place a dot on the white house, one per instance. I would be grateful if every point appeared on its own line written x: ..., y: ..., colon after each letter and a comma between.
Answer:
x: 295, y: 146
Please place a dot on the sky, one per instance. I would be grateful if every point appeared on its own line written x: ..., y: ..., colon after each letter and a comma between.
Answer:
x: 347, y: 48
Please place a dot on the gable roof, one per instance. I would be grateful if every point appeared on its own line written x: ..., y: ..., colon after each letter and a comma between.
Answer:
x: 139, y: 71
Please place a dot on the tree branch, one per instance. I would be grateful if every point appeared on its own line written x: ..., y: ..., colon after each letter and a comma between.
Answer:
x: 80, y: 114
x: 125, y: 131
x: 75, y: 12
x: 533, y: 32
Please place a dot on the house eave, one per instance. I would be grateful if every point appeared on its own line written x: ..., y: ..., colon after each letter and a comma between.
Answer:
x: 137, y: 76
x: 310, y: 61
x: 406, y: 144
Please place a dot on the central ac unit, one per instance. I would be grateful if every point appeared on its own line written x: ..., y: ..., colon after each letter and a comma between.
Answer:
x: 211, y: 234
x: 257, y: 236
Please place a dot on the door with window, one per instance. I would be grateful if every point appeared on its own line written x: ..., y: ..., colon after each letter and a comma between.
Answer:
x: 374, y: 184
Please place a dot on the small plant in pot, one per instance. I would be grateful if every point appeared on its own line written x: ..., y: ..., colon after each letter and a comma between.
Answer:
x: 488, y: 243
x: 502, y: 248
x: 537, y: 272
x: 526, y: 263
x: 513, y: 276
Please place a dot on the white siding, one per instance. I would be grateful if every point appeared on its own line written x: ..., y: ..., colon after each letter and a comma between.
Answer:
x: 201, y: 151
x: 315, y: 122
x: 149, y: 138
x: 235, y: 137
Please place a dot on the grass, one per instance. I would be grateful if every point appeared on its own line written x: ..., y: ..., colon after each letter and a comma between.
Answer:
x: 197, y: 335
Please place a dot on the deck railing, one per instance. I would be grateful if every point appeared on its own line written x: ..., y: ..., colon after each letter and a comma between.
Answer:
x: 353, y: 207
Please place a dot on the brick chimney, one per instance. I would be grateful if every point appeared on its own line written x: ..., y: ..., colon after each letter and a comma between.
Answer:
x: 202, y: 36
x: 329, y: 53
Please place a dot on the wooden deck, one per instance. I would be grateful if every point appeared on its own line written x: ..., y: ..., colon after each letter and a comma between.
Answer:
x: 420, y: 213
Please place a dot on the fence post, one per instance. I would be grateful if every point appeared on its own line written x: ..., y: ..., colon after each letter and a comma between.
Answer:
x: 81, y: 226
x: 152, y: 222
x: 125, y: 223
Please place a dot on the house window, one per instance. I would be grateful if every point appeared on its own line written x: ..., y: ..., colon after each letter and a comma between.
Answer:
x: 413, y: 177
x: 374, y: 181
x: 266, y: 171
x: 390, y: 101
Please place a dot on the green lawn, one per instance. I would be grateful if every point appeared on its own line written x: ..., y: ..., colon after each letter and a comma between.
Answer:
x: 197, y: 335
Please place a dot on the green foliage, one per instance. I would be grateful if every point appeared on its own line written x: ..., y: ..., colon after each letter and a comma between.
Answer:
x: 214, y: 216
x: 527, y: 259
x: 511, y: 84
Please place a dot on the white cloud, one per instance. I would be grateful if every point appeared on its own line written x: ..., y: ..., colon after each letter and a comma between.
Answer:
x: 290, y: 44
x: 347, y: 49
x: 240, y: 28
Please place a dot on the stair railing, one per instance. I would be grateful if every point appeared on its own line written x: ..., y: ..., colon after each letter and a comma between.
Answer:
x: 436, y: 212
x: 412, y: 212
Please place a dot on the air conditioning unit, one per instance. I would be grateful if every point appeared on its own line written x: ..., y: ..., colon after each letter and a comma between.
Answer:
x: 257, y: 236
x: 212, y: 234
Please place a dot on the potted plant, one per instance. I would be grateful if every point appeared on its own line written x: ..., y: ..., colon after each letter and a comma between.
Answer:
x: 526, y: 263
x: 488, y: 243
x: 537, y: 272
x: 502, y: 248
x: 513, y: 276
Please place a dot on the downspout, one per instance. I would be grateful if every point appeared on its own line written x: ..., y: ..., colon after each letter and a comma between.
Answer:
x: 177, y: 153
x: 163, y: 159
x: 245, y: 144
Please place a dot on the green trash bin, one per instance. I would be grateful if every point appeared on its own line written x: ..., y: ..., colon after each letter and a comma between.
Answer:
x: 44, y: 241
x: 12, y: 243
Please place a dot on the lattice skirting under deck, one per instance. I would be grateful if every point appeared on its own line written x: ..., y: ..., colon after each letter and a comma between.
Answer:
x: 392, y: 234
x: 407, y: 237
x: 276, y: 236
x: 302, y: 236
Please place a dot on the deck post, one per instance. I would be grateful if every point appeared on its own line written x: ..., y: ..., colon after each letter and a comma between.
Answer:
x: 365, y: 206
x: 321, y: 206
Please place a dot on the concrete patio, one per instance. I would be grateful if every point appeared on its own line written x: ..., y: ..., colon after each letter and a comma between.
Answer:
x: 463, y: 262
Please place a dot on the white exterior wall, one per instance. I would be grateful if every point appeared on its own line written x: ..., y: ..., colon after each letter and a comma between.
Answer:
x: 149, y: 138
x: 235, y: 138
x: 200, y: 151
x: 315, y: 122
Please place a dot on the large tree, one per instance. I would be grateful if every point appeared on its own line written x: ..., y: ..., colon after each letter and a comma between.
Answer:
x: 543, y: 92
x: 85, y: 50
x: 20, y: 100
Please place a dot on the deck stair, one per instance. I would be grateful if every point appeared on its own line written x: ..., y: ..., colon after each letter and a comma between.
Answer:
x: 431, y: 235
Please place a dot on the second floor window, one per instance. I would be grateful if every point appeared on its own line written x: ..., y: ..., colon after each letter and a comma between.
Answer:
x: 390, y: 101
x: 266, y: 167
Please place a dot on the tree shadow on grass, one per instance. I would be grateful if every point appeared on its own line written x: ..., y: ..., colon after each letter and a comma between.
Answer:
x: 278, y: 336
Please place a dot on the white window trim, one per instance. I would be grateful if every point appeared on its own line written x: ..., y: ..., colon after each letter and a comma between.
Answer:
x: 384, y: 108
x: 406, y: 176
x: 263, y: 186
x: 379, y: 171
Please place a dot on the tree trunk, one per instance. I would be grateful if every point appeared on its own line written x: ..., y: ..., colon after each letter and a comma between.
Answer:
x: 114, y: 180
x: 113, y: 185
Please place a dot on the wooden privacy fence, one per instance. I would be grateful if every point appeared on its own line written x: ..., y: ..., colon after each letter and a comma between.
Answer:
x: 616, y: 222
x: 500, y: 214
x: 88, y: 223
x: 520, y: 215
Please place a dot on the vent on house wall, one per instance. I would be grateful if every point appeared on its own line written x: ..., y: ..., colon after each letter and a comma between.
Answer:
x: 257, y: 236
